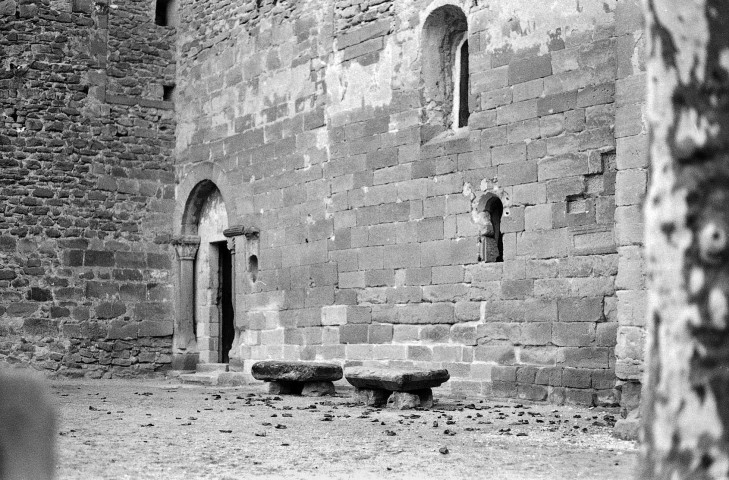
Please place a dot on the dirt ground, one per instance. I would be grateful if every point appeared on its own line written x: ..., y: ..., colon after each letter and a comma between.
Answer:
x: 160, y: 429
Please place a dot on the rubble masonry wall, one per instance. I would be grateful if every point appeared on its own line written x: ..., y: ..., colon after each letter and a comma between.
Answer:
x: 86, y: 187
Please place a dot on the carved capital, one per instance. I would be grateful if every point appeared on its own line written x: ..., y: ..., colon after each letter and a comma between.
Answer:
x: 231, y: 244
x: 186, y: 246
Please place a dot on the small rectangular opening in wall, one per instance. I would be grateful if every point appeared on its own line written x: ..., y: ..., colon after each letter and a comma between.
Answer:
x: 168, y: 92
x: 165, y: 13
x: 576, y: 205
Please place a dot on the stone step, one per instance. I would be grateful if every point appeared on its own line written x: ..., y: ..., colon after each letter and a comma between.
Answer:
x: 231, y: 379
x: 228, y: 379
x: 212, y: 367
x: 199, y: 378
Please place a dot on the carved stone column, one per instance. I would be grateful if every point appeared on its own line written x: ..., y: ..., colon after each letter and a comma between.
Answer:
x: 235, y: 245
x: 184, y: 345
x: 231, y: 234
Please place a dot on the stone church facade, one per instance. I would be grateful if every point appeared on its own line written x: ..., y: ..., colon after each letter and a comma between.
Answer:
x: 405, y: 182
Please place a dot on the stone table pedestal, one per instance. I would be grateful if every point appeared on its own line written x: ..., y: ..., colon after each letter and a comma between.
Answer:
x: 405, y: 388
x: 312, y: 379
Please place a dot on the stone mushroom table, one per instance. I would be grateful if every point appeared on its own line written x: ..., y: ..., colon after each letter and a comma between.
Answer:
x: 410, y: 388
x: 313, y: 379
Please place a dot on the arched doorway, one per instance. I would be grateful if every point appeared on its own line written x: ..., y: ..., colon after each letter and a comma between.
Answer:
x: 210, y: 278
x: 213, y: 283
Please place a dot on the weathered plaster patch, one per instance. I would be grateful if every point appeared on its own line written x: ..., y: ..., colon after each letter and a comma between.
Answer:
x: 213, y: 219
x: 291, y: 84
x: 535, y: 23
x: 353, y: 86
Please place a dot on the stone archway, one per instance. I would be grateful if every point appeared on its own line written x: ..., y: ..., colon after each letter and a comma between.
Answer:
x: 205, y: 319
x: 213, y: 287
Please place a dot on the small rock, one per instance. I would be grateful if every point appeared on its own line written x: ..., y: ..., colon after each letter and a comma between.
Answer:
x: 443, y: 450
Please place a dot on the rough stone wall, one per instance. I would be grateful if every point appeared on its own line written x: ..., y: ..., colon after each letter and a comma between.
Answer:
x: 86, y: 186
x: 309, y: 115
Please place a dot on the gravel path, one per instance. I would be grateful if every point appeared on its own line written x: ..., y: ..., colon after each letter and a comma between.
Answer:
x: 158, y: 429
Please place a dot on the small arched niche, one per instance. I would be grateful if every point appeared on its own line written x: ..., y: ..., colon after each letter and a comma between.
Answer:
x: 490, y: 209
x: 445, y: 71
x: 253, y: 267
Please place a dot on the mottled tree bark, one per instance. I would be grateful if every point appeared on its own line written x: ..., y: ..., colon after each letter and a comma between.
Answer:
x: 686, y: 401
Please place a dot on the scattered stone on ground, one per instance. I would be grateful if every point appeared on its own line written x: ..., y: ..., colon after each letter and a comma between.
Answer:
x: 156, y: 429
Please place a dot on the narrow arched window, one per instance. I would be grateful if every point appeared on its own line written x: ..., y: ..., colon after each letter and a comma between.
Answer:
x: 460, y: 82
x: 444, y: 71
x: 495, y: 209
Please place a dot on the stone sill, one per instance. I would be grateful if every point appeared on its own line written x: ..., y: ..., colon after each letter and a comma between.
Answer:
x: 449, y: 136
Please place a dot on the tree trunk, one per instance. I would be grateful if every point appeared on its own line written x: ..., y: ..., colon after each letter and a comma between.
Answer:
x: 686, y: 399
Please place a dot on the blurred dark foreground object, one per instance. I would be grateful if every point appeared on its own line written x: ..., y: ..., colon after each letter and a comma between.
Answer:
x: 27, y: 429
